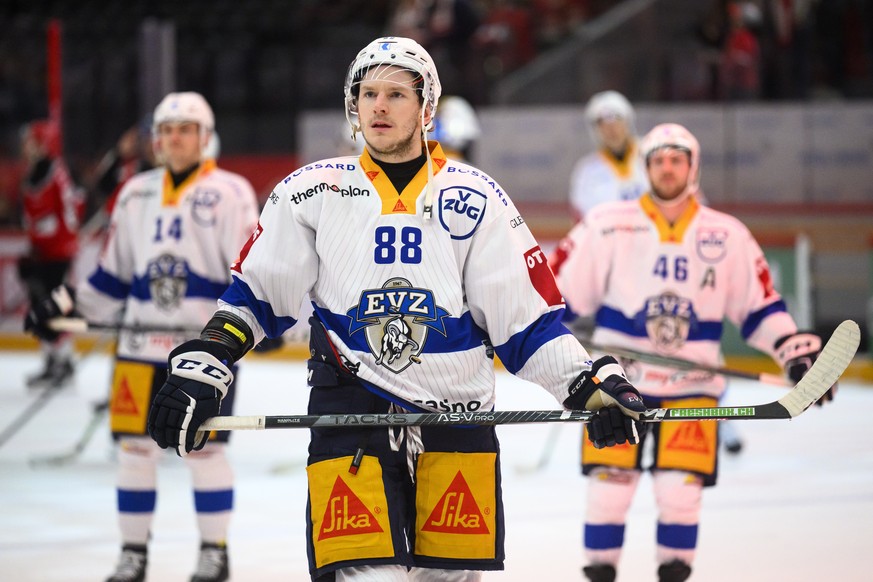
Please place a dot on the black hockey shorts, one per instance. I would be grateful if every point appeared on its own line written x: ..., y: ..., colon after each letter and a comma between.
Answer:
x: 451, y: 515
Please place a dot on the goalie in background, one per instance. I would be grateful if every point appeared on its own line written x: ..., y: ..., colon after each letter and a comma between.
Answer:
x: 665, y: 272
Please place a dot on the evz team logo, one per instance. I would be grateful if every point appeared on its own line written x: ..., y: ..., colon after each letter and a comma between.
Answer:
x: 396, y: 320
x: 668, y: 319
x: 168, y: 281
x: 712, y: 244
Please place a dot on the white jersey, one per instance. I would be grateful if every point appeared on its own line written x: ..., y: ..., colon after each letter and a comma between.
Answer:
x: 666, y: 290
x: 599, y: 177
x: 167, y: 254
x: 413, y: 307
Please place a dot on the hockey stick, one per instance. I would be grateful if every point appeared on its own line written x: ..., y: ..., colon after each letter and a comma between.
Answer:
x: 28, y: 413
x: 545, y: 455
x: 686, y: 365
x: 827, y: 369
x: 78, y: 325
x: 94, y: 423
x: 44, y: 398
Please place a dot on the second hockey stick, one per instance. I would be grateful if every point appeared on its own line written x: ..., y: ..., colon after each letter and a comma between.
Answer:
x: 686, y: 365
x: 97, y: 413
x: 827, y: 369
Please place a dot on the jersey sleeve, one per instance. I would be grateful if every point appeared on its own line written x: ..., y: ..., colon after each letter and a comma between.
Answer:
x: 512, y: 294
x: 276, y: 268
x: 241, y: 218
x: 584, y: 272
x: 102, y: 295
x: 758, y: 311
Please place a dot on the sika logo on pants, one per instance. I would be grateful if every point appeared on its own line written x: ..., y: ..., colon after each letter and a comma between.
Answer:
x: 456, y: 505
x: 349, y: 513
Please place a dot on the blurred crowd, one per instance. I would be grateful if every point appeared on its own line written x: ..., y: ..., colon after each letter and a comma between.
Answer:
x: 249, y: 59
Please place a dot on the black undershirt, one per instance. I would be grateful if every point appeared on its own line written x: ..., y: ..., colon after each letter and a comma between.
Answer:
x: 402, y: 173
x: 180, y: 177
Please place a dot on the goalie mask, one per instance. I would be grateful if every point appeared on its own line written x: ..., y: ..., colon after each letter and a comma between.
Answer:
x: 185, y: 107
x: 399, y: 52
x: 674, y: 136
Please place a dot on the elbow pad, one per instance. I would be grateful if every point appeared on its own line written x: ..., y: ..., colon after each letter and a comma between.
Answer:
x: 232, y: 332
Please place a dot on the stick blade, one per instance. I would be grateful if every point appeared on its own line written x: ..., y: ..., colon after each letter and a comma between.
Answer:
x: 833, y: 360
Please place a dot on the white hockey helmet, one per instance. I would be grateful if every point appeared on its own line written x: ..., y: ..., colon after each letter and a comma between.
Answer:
x: 456, y: 125
x: 609, y: 105
x: 675, y: 136
x: 400, y: 52
x: 213, y: 147
x: 185, y: 106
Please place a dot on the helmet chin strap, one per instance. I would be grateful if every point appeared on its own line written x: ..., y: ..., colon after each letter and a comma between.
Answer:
x: 428, y: 192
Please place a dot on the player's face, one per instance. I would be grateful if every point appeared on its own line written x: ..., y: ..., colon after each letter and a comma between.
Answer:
x: 389, y: 112
x: 31, y: 150
x: 668, y: 171
x: 613, y: 133
x: 179, y: 144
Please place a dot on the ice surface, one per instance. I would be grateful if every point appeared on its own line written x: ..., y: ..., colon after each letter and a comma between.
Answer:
x: 795, y: 505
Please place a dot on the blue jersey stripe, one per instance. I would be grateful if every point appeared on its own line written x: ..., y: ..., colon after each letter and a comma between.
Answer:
x: 196, y: 286
x: 109, y: 284
x: 515, y: 353
x: 613, y: 319
x: 462, y: 333
x: 754, y: 320
x: 240, y: 295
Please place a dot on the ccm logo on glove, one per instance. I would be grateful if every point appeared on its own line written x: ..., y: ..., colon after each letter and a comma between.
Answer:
x: 202, y: 367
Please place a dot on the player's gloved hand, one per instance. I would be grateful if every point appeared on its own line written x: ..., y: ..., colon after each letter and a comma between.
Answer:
x: 59, y: 303
x: 199, y: 376
x: 605, y: 389
x: 796, y: 354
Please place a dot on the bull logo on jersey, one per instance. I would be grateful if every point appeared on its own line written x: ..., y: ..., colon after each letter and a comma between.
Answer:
x: 461, y: 210
x: 396, y: 320
x: 168, y: 281
x: 668, y: 319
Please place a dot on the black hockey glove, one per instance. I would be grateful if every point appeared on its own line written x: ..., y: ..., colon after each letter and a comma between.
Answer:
x: 59, y: 303
x: 199, y: 376
x: 796, y: 354
x: 605, y: 390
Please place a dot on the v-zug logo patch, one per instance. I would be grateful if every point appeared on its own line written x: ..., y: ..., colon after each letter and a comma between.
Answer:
x: 396, y: 320
x: 461, y: 210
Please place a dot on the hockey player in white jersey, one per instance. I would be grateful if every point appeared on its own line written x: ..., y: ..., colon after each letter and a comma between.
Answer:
x: 173, y: 233
x: 615, y: 170
x: 664, y: 273
x: 420, y: 269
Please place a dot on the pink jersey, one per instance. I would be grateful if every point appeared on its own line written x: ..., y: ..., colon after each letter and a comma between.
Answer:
x: 665, y: 289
